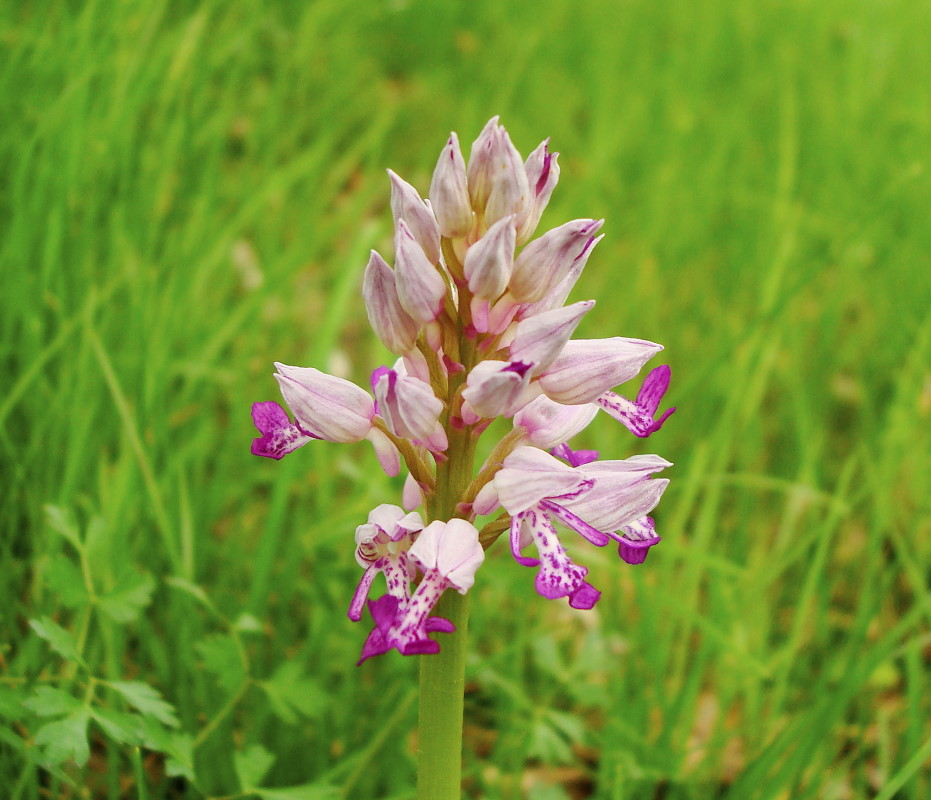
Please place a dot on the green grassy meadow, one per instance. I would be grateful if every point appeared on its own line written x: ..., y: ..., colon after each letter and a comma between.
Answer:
x: 189, y: 191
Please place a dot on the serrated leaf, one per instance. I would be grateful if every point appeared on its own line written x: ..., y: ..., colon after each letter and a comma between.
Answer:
x: 64, y: 578
x: 120, y: 726
x: 290, y: 691
x: 180, y: 752
x: 11, y: 703
x: 192, y: 589
x: 65, y: 739
x: 62, y: 521
x: 221, y: 658
x: 49, y: 701
x: 132, y: 593
x: 306, y: 791
x: 60, y: 640
x: 147, y: 700
x: 252, y: 764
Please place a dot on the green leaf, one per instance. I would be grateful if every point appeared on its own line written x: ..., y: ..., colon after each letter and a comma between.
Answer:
x: 289, y: 691
x: 11, y: 703
x: 306, y: 791
x: 221, y: 657
x: 60, y: 640
x: 63, y: 523
x: 146, y: 700
x: 120, y: 726
x: 48, y: 701
x: 180, y: 752
x: 64, y: 578
x: 192, y: 589
x: 132, y: 593
x: 252, y: 764
x: 65, y: 739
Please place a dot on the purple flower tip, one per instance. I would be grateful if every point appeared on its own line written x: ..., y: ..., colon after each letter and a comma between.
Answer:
x: 279, y: 435
x: 377, y: 373
x: 635, y: 552
x: 584, y: 597
x: 518, y: 367
x: 576, y: 458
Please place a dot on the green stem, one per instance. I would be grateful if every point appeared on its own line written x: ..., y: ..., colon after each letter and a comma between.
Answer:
x: 442, y: 683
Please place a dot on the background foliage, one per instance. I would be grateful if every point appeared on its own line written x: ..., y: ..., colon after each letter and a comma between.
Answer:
x: 189, y: 191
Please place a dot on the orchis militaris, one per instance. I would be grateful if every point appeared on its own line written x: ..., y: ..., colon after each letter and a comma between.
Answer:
x: 474, y: 308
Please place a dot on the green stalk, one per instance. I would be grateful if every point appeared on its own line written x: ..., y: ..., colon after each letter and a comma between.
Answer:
x: 442, y: 676
x: 442, y: 682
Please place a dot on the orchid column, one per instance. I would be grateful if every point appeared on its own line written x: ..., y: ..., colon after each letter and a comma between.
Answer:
x: 474, y: 308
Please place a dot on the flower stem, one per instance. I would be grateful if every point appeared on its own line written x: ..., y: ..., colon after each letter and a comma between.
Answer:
x: 442, y: 681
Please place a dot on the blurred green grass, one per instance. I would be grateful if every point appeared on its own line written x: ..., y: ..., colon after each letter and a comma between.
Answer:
x: 189, y: 192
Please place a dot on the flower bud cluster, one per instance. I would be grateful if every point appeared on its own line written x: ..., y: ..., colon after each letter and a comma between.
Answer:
x: 474, y: 309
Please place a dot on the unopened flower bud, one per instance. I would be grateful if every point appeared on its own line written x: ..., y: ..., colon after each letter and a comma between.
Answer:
x: 510, y: 191
x: 544, y: 262
x: 396, y: 329
x: 497, y: 388
x: 420, y: 287
x: 488, y: 262
x: 481, y: 161
x: 542, y: 172
x: 449, y: 193
x: 407, y: 204
x: 407, y: 405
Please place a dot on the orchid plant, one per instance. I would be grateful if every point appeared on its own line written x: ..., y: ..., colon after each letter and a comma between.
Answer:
x: 474, y: 308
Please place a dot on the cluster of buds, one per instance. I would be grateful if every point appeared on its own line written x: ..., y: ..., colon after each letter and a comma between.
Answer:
x: 474, y: 308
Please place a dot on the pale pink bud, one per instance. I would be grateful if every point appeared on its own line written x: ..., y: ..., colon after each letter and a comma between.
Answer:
x: 452, y: 549
x: 407, y: 405
x: 542, y: 177
x: 510, y: 191
x: 420, y: 287
x: 449, y: 193
x: 412, y: 494
x: 544, y: 262
x: 389, y: 459
x: 556, y: 296
x: 328, y: 407
x: 587, y: 368
x: 488, y: 262
x: 481, y: 160
x: 497, y: 388
x: 396, y: 329
x: 549, y: 423
x: 540, y: 339
x: 407, y: 204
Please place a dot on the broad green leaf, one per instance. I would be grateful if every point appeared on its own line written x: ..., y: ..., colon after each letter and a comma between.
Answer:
x: 65, y: 738
x: 306, y: 791
x: 64, y: 578
x: 60, y: 640
x: 120, y: 726
x: 290, y: 691
x: 63, y: 523
x: 132, y: 593
x: 222, y: 659
x: 49, y: 701
x: 146, y: 700
x: 252, y: 764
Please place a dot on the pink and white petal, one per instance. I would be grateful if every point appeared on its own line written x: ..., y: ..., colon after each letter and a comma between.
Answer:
x: 387, y: 454
x: 530, y: 475
x: 279, y: 435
